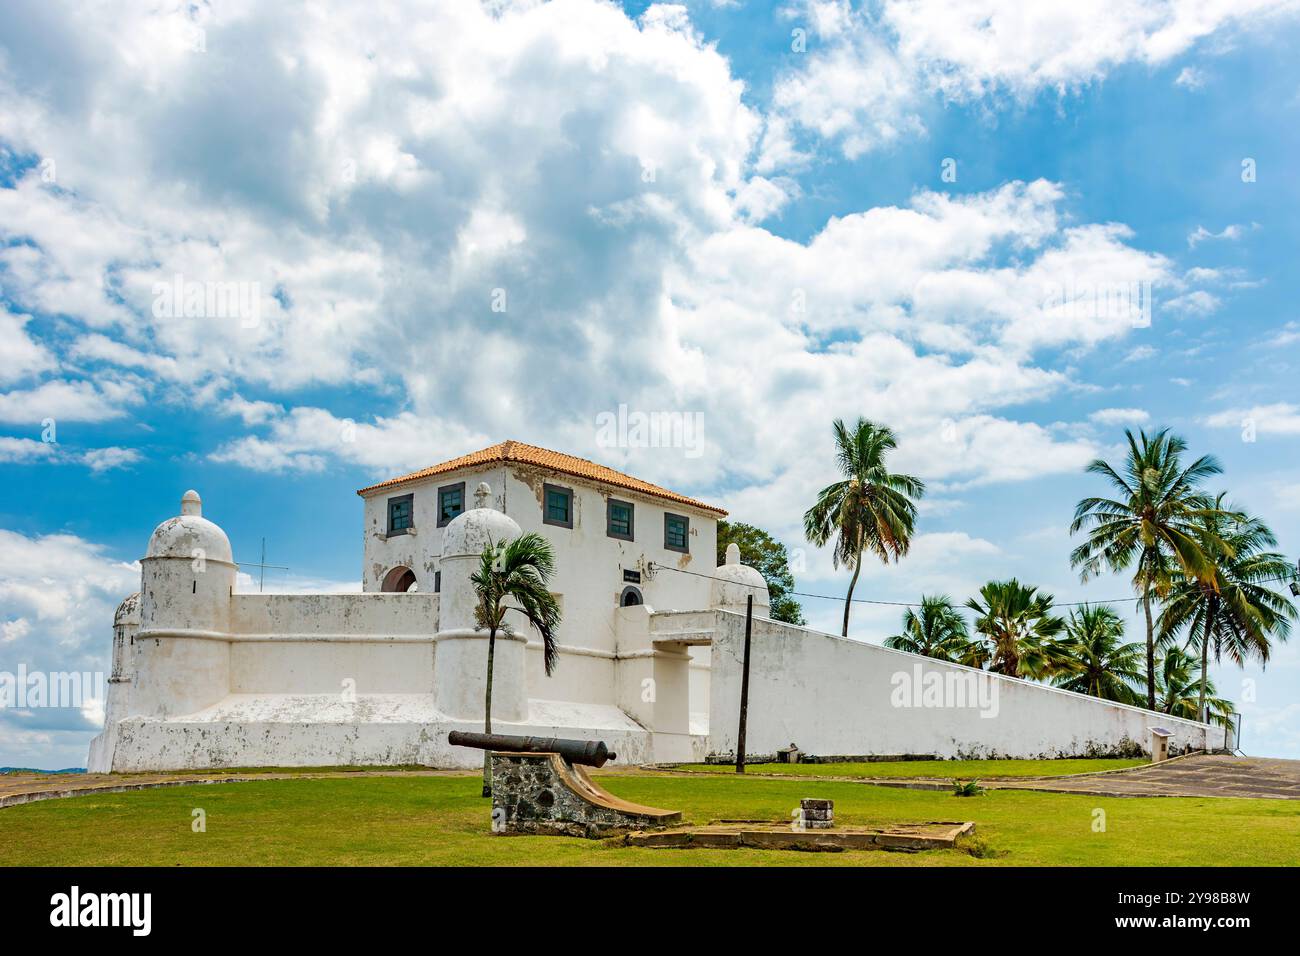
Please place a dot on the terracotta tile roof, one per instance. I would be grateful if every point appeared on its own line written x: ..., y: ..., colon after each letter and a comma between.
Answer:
x: 514, y: 452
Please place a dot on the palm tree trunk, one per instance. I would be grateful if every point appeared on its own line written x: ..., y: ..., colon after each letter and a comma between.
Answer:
x: 1205, y: 656
x: 487, y: 713
x: 848, y: 599
x: 1151, y: 650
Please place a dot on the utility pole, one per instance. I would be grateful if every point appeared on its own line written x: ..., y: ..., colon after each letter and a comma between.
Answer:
x: 744, y: 686
x: 261, y: 579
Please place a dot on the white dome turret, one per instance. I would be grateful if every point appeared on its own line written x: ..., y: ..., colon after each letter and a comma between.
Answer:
x: 126, y: 621
x: 470, y: 531
x: 188, y: 533
x: 187, y: 579
x: 462, y: 647
x: 128, y: 612
x: 188, y: 572
x: 734, y: 582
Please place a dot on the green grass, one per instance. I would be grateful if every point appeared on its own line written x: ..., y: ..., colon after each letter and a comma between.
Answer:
x: 946, y: 769
x: 443, y: 821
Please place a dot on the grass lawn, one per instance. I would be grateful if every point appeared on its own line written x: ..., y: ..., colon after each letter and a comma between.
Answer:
x: 443, y: 821
x: 965, y: 769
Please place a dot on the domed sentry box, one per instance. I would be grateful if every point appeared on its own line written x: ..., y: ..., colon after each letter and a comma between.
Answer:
x: 540, y: 786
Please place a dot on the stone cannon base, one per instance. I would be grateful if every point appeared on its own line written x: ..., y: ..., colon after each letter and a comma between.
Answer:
x: 544, y: 794
x: 902, y: 837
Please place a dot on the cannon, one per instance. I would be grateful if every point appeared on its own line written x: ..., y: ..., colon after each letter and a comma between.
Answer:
x: 589, y: 753
x: 540, y: 785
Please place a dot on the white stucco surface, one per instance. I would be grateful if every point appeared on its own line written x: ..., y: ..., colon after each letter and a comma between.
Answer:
x: 831, y: 695
x: 204, y: 676
x: 303, y: 730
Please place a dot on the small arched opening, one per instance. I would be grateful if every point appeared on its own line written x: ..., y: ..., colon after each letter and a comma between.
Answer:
x: 399, y: 579
x: 631, y: 597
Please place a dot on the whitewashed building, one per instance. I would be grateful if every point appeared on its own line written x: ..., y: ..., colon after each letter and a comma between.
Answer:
x: 650, y: 645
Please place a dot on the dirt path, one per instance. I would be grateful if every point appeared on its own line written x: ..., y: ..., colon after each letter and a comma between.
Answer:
x: 16, y: 788
x: 1198, y: 775
x: 1201, y: 775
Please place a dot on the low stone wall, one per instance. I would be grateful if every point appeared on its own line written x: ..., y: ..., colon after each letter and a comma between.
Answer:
x: 541, y: 794
x: 382, y: 732
x: 367, y: 615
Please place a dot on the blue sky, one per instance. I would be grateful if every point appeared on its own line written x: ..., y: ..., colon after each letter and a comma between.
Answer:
x: 652, y: 187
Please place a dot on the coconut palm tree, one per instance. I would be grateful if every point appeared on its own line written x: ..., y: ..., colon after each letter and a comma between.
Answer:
x: 1180, y: 690
x: 938, y: 631
x: 1232, y: 608
x: 870, y: 510
x: 1151, y: 526
x: 514, y: 576
x: 1097, y: 661
x: 1020, y: 628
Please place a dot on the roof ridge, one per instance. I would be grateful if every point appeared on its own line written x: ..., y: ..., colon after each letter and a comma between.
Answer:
x: 514, y: 451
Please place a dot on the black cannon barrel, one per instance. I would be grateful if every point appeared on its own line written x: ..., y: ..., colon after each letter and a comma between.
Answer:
x: 590, y: 753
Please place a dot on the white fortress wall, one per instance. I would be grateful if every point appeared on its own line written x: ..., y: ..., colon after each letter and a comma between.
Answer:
x: 589, y: 578
x: 834, y: 696
x: 220, y: 679
x: 206, y: 677
x: 252, y: 738
x: 332, y: 679
x: 333, y: 643
x: 589, y: 565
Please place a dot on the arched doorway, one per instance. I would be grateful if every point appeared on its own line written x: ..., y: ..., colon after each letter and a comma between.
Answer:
x: 399, y: 579
x: 631, y: 597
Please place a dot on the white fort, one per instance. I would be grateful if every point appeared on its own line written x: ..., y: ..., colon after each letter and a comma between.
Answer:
x: 651, y: 646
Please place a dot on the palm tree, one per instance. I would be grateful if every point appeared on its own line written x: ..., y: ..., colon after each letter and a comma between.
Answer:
x: 939, y: 631
x: 1018, y: 624
x: 1098, y: 662
x: 1231, y: 608
x: 871, y: 510
x: 1180, y: 690
x: 518, y: 572
x: 1152, y: 525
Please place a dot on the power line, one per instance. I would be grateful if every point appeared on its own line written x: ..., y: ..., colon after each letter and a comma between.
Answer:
x: 261, y: 582
x: 830, y: 597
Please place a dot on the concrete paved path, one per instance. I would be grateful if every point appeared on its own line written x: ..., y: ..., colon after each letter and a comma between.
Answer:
x: 1201, y: 775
